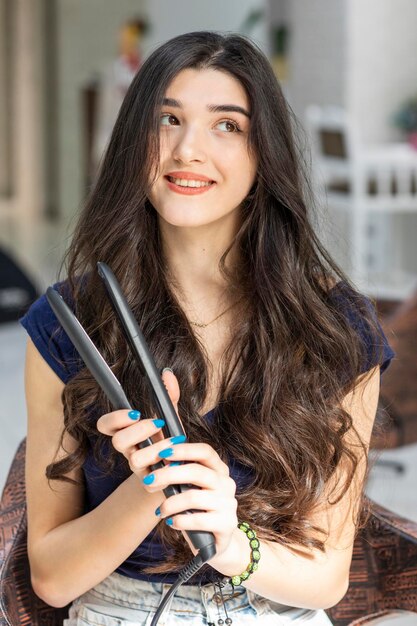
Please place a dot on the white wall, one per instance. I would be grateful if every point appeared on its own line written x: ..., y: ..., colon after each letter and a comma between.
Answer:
x: 87, y: 40
x: 4, y: 104
x: 361, y: 55
x: 171, y: 19
x: 25, y: 122
x: 381, y: 63
x: 318, y: 42
x: 280, y: 11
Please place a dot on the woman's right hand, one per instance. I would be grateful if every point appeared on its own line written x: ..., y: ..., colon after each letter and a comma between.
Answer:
x: 128, y: 432
x: 128, y: 429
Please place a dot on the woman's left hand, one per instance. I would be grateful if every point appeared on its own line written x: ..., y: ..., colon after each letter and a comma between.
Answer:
x: 203, y: 468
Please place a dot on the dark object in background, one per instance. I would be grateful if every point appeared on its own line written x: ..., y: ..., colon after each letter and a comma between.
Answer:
x: 17, y: 291
x: 398, y: 396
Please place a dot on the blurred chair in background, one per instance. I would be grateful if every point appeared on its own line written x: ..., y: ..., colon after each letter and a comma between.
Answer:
x: 398, y: 397
x: 365, y: 181
x: 379, y: 180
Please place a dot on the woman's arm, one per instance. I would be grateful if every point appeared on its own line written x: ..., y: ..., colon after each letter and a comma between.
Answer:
x: 70, y: 552
x: 313, y: 579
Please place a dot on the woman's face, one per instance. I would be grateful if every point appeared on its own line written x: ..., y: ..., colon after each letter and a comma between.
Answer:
x: 205, y: 168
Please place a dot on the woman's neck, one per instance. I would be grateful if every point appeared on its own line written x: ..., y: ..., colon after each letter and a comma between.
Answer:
x: 192, y: 260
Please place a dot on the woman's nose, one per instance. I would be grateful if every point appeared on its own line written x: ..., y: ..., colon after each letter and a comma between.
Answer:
x: 190, y: 146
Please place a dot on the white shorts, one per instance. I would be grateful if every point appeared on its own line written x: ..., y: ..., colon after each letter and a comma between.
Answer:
x: 123, y: 601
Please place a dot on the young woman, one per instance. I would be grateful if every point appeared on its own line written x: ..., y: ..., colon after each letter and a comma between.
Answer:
x: 274, y: 365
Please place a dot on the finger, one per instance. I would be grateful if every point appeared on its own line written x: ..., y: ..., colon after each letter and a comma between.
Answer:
x: 127, y: 439
x: 110, y: 423
x: 200, y: 499
x: 201, y: 452
x: 144, y: 457
x: 188, y: 473
x: 210, y: 522
x: 171, y: 384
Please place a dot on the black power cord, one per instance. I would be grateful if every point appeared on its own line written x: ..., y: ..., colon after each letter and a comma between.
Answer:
x: 205, y: 553
x: 189, y: 570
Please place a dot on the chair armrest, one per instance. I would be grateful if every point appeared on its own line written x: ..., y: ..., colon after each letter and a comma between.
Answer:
x: 18, y: 602
x: 12, y: 525
x: 383, y: 575
x: 389, y: 520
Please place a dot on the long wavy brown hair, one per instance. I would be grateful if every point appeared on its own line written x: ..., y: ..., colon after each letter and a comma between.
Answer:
x: 294, y: 354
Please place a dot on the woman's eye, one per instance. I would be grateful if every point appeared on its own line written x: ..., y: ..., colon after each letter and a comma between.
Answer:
x: 230, y: 127
x: 167, y: 119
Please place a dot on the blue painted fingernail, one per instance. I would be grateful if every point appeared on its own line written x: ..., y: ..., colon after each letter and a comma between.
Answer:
x: 169, y: 521
x: 174, y: 463
x: 134, y: 415
x: 167, y: 369
x: 178, y: 439
x: 159, y: 423
x: 158, y: 511
x: 149, y: 479
x: 166, y: 453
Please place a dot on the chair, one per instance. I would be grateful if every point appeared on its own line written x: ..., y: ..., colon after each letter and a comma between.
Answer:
x: 398, y: 397
x: 365, y: 182
x: 19, y: 605
x: 397, y: 407
x: 383, y: 573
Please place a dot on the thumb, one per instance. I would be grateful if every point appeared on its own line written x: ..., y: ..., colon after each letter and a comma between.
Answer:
x: 171, y: 384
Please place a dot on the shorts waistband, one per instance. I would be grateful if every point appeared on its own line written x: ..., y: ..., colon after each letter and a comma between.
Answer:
x: 139, y: 594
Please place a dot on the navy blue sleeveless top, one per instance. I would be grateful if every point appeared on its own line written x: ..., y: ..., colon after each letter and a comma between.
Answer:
x: 56, y: 348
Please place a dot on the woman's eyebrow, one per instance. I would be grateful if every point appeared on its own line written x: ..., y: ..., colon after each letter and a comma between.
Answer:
x: 214, y: 108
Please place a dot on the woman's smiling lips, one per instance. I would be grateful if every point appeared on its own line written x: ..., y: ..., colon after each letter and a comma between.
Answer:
x: 187, y: 183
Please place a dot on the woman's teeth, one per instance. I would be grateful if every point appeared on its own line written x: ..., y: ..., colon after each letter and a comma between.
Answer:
x: 182, y: 182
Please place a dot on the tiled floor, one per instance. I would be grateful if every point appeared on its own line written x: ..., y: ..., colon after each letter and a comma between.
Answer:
x: 394, y: 490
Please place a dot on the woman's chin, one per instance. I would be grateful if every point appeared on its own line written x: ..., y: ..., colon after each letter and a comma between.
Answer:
x: 183, y: 221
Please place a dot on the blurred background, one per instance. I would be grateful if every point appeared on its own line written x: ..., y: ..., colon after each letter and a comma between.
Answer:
x: 349, y: 71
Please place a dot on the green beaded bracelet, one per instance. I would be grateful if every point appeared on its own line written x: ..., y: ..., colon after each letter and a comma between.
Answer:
x: 255, y: 556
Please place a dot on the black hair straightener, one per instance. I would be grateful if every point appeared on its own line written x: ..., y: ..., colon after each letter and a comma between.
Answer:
x: 203, y: 541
